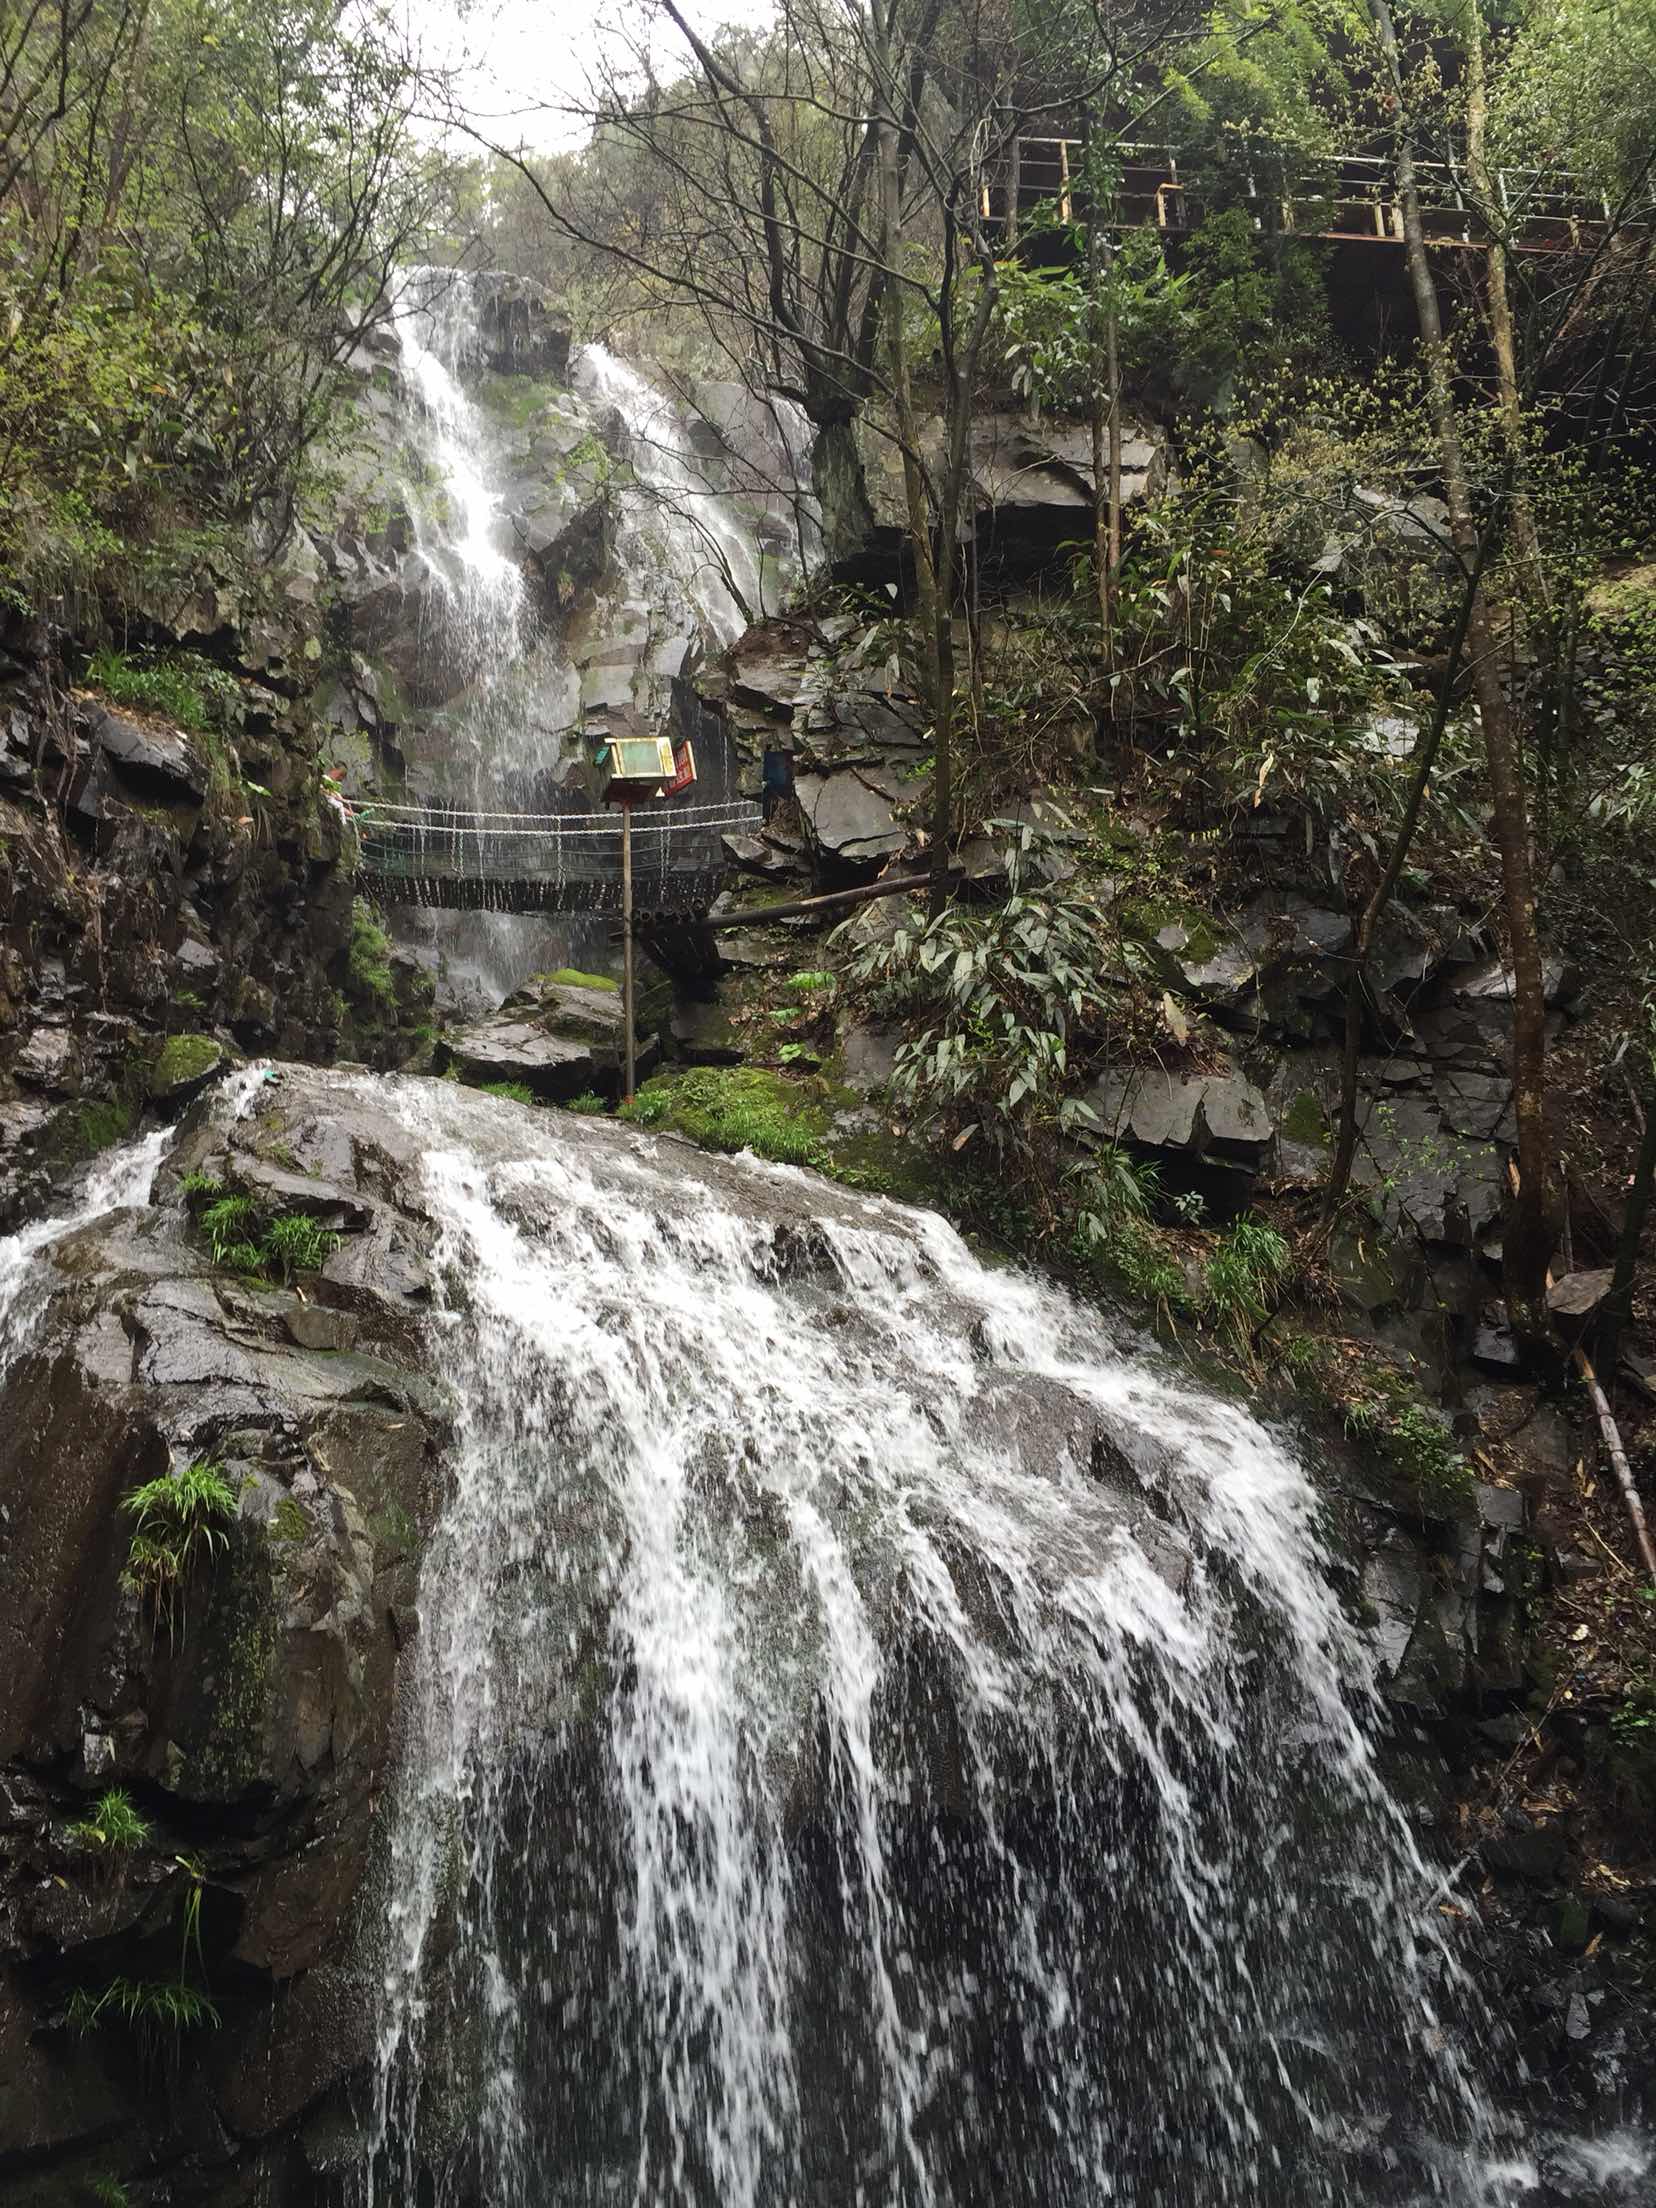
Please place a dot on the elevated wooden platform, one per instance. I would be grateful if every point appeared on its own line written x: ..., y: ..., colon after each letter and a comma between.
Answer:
x: 1349, y: 198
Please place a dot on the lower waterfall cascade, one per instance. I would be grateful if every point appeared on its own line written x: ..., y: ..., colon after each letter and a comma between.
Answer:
x: 878, y: 1737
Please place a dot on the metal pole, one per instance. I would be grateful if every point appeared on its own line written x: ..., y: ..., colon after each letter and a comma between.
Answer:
x: 627, y: 950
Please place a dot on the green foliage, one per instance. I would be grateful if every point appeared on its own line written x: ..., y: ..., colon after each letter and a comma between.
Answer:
x: 294, y: 1242
x: 515, y: 1092
x: 245, y: 1234
x: 733, y: 1108
x: 153, y: 2009
x: 587, y: 1105
x: 115, y: 1825
x: 1050, y: 322
x: 1380, y: 1407
x: 1245, y: 1274
x: 1259, y: 311
x: 175, y: 330
x: 232, y: 1225
x: 178, y: 1520
x: 181, y: 686
x: 370, y: 983
x: 109, y: 2192
x: 999, y: 999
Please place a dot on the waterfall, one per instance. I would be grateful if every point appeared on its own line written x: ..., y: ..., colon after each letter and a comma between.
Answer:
x: 123, y: 1179
x: 511, y: 673
x: 461, y: 537
x: 684, y: 544
x: 878, y: 1737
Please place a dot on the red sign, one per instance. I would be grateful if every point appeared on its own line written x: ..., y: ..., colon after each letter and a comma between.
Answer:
x: 684, y: 759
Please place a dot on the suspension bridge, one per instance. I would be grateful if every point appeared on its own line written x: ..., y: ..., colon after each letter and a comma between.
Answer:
x: 570, y: 861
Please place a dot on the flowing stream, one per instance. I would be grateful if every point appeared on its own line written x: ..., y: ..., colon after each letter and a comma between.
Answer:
x: 878, y: 1738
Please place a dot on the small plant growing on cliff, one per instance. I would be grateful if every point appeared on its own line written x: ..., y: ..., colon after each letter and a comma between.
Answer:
x: 369, y: 980
x: 231, y: 1225
x: 297, y: 1243
x: 242, y: 1235
x: 115, y: 1825
x: 178, y: 1520
x: 1244, y: 1273
x: 515, y: 1092
x: 109, y: 2192
x: 153, y: 2008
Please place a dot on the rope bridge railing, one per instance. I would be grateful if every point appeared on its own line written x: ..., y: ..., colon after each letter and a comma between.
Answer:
x: 548, y: 862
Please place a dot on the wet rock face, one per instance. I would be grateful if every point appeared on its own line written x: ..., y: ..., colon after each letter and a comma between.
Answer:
x: 143, y: 910
x: 246, y: 1710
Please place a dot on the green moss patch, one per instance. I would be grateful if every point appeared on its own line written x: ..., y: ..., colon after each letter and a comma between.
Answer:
x: 571, y: 977
x: 182, y: 1061
x: 731, y: 1108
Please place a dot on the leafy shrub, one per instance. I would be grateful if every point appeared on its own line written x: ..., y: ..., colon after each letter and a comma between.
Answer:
x: 232, y: 1226
x: 587, y: 1105
x: 244, y: 1234
x: 294, y: 1242
x: 181, y: 686
x: 515, y: 1092
x: 1244, y: 1274
x: 1000, y: 999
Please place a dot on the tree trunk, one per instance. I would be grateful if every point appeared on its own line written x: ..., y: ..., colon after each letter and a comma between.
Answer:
x: 1529, y: 1230
x: 1357, y: 983
x: 933, y: 611
x: 1498, y: 305
x: 1099, y: 410
x: 1618, y: 1308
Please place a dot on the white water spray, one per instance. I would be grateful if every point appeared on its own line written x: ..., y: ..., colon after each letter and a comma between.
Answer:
x: 877, y: 1739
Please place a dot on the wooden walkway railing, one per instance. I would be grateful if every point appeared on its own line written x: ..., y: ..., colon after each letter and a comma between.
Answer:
x: 1347, y: 197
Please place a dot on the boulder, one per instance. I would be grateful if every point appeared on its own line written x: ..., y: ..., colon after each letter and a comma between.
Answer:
x: 558, y: 1039
x: 1217, y: 1114
x: 1577, y: 1299
x: 851, y: 816
x: 156, y: 759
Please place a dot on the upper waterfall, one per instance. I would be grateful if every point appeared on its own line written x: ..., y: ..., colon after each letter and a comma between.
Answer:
x: 878, y: 1736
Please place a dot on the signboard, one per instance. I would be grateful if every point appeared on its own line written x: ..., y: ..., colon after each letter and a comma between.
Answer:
x: 684, y: 769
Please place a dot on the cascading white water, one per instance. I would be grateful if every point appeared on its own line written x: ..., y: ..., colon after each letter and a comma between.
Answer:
x: 681, y: 560
x: 681, y: 539
x: 122, y: 1179
x: 465, y: 550
x: 878, y: 1738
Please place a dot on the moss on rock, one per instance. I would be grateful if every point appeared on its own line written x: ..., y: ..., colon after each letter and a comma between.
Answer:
x: 182, y: 1062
